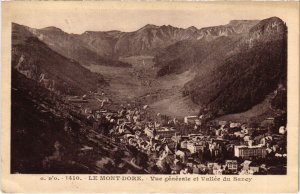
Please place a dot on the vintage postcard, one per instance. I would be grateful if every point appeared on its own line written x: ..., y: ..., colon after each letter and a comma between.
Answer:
x: 168, y: 97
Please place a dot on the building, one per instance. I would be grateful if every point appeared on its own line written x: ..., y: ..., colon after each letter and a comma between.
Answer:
x: 249, y: 168
x: 198, y: 122
x: 234, y: 125
x: 215, y: 168
x: 246, y: 172
x: 243, y: 151
x: 195, y: 137
x: 149, y: 132
x: 183, y: 144
x: 217, y: 171
x: 194, y: 147
x: 232, y: 165
x: 212, y: 164
x: 181, y: 155
x: 282, y: 130
x: 268, y: 123
x: 166, y: 132
x: 222, y: 123
x: 190, y: 119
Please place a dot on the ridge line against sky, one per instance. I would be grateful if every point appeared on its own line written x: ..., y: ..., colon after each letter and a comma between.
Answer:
x: 127, y: 31
x: 129, y: 20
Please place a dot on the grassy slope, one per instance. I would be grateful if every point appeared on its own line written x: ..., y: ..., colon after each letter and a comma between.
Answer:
x: 68, y: 45
x: 37, y: 122
x: 65, y: 72
x: 231, y: 76
x: 243, y: 80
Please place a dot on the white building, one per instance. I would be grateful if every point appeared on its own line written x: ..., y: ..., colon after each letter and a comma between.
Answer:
x: 244, y: 151
x: 282, y: 130
x: 190, y: 119
x: 231, y: 165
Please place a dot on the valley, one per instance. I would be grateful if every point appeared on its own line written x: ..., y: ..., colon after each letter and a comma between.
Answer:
x: 139, y: 84
x: 176, y: 71
x: 157, y: 100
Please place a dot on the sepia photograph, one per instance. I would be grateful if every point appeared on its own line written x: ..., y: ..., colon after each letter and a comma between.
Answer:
x: 149, y: 92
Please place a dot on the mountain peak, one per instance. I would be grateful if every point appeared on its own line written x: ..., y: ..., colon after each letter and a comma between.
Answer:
x: 148, y: 26
x: 193, y: 28
x: 52, y: 28
x: 273, y: 19
x: 269, y: 26
x: 91, y: 32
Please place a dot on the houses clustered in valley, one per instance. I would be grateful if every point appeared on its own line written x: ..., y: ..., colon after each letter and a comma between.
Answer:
x: 160, y: 144
x: 165, y: 145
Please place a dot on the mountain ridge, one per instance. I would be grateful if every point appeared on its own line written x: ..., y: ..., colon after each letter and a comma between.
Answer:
x: 69, y: 46
x: 231, y: 63
x: 147, y: 40
x: 233, y: 72
x: 34, y: 59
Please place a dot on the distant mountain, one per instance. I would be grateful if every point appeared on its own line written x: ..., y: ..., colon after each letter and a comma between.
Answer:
x: 149, y: 39
x: 70, y: 46
x: 207, y: 41
x: 236, y: 69
x: 145, y: 41
x: 104, y: 47
x: 235, y: 66
x: 37, y: 61
x: 233, y: 28
x: 101, y: 42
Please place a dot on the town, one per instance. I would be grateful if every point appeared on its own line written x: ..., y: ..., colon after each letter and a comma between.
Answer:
x: 192, y: 145
x: 193, y: 111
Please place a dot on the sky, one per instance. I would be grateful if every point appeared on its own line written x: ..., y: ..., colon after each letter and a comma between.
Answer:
x: 95, y: 17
